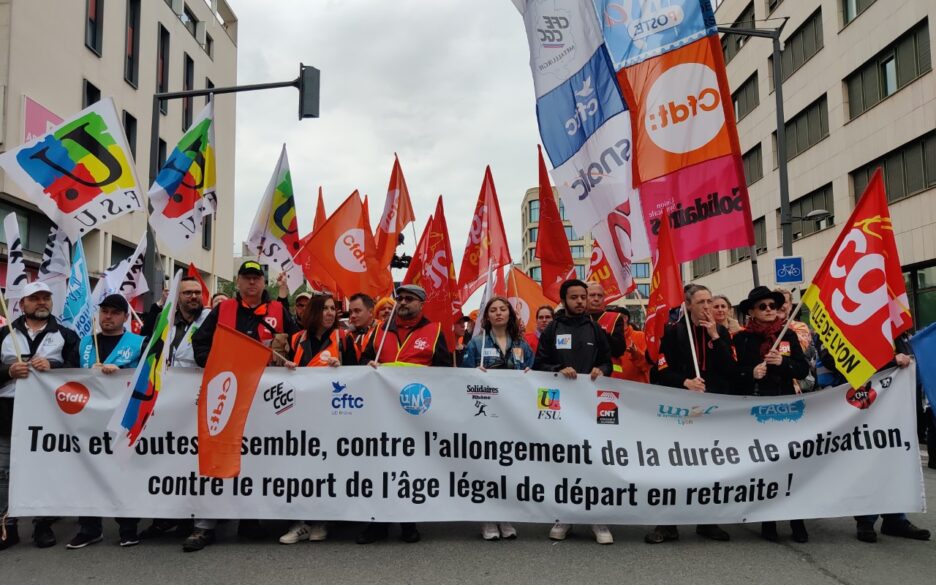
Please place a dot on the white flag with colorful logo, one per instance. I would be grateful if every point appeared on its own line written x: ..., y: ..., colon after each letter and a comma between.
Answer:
x: 125, y: 277
x: 81, y: 174
x: 16, y: 277
x: 55, y: 267
x: 274, y: 234
x: 184, y: 191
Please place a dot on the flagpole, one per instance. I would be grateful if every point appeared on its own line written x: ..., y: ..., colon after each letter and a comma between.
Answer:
x: 786, y: 326
x: 386, y: 325
x: 134, y: 315
x: 97, y: 350
x: 9, y: 320
x: 695, y: 358
x: 214, y: 240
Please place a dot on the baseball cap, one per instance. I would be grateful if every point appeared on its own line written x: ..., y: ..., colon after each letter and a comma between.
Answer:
x: 116, y: 301
x: 414, y: 289
x: 303, y: 295
x: 250, y: 267
x: 35, y: 287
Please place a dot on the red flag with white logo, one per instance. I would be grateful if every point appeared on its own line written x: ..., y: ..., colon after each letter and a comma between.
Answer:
x: 196, y: 274
x: 666, y: 290
x: 600, y: 271
x: 487, y: 243
x: 552, y: 245
x: 432, y: 268
x: 229, y: 383
x: 397, y: 214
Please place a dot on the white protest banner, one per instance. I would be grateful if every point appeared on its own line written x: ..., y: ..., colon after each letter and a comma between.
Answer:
x: 433, y: 444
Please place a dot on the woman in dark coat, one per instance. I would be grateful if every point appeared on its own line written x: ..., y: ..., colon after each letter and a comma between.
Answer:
x: 763, y: 371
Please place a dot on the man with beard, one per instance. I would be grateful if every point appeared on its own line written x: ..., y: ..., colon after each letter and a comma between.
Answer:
x: 363, y: 324
x: 44, y: 344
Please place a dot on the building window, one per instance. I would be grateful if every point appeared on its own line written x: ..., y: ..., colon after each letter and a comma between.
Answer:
x: 188, y: 19
x: 746, y: 98
x: 161, y: 152
x: 533, y: 233
x: 533, y: 211
x: 577, y: 251
x: 772, y: 5
x: 94, y: 26
x: 130, y: 130
x: 561, y: 211
x: 536, y: 273
x: 806, y: 128
x: 208, y: 85
x: 209, y: 46
x: 731, y: 44
x: 207, y: 226
x: 753, y: 163
x: 188, y: 84
x: 570, y: 233
x: 799, y: 48
x: 760, y: 243
x: 132, y: 44
x: 706, y: 264
x: 162, y: 66
x: 821, y: 198
x: 643, y: 290
x: 580, y: 271
x: 908, y: 169
x: 90, y: 94
x: 921, y: 290
x: 641, y: 270
x: 852, y: 8
x: 896, y: 66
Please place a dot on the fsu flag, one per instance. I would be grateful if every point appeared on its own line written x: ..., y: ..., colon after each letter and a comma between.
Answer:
x: 344, y: 250
x: 274, y: 233
x: 81, y: 174
x: 666, y: 290
x: 397, y: 214
x: 857, y: 301
x: 184, y: 191
x: 233, y: 371
x: 552, y: 245
x: 487, y: 243
x: 600, y: 271
x: 432, y: 268
x: 196, y: 274
x: 526, y: 296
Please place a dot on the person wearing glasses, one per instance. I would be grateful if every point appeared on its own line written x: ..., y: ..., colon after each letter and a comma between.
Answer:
x: 767, y: 371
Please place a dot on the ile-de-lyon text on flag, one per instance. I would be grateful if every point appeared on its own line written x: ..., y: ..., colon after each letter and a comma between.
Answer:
x: 274, y: 233
x: 858, y: 301
x: 129, y: 419
x: 526, y: 296
x: 433, y: 269
x: 486, y: 248
x: 16, y: 277
x: 78, y: 312
x: 229, y: 383
x: 184, y: 192
x: 81, y: 174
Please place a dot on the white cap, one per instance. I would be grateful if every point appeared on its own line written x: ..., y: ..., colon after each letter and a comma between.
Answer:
x: 35, y: 287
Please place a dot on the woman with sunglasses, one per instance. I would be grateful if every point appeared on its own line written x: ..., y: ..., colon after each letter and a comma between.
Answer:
x: 764, y: 371
x: 500, y: 347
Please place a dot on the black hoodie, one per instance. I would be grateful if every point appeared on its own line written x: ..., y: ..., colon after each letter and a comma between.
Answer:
x: 586, y: 346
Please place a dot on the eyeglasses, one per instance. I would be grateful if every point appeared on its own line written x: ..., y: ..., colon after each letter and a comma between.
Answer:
x: 767, y: 307
x: 407, y: 299
x: 189, y: 293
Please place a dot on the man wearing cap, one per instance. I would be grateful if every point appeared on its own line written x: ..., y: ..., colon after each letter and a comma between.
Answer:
x: 253, y: 313
x: 38, y: 343
x: 113, y: 349
x: 407, y: 339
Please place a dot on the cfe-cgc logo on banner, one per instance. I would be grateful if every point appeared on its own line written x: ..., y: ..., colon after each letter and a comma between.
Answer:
x: 344, y: 402
x: 684, y: 416
x: 415, y: 398
x: 220, y: 392
x: 607, y: 413
x: 680, y: 122
x: 280, y: 397
x: 482, y: 397
x: 349, y: 250
x: 72, y: 397
x: 547, y: 404
x: 782, y: 411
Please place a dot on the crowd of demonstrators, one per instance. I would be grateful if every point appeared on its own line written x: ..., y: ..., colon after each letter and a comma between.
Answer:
x: 703, y: 349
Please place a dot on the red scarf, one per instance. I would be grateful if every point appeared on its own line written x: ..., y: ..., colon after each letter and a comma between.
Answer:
x: 768, y: 331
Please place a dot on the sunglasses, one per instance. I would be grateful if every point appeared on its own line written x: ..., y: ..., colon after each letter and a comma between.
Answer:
x: 767, y: 307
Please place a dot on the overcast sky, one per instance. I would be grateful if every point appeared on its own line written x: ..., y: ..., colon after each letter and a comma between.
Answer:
x: 445, y: 84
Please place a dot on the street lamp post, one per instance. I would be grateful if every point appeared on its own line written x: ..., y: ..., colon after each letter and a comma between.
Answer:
x: 308, y: 85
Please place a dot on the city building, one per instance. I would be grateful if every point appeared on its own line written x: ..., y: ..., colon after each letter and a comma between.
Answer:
x: 581, y: 247
x: 858, y: 93
x: 60, y: 57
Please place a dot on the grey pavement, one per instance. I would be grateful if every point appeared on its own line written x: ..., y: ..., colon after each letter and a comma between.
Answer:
x: 455, y: 553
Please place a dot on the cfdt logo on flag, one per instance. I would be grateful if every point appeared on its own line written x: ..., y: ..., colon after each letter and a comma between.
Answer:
x: 221, y: 392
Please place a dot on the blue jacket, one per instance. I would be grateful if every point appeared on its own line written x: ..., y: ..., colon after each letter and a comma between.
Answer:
x: 519, y: 354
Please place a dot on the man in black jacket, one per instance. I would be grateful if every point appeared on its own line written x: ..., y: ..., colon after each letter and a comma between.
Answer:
x: 573, y: 343
x: 676, y: 368
x: 44, y: 344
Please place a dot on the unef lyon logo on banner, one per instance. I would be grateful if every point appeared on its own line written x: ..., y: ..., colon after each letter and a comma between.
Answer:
x: 679, y: 119
x: 349, y: 250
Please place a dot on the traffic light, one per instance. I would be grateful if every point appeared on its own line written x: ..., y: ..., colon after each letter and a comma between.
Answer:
x: 309, y: 78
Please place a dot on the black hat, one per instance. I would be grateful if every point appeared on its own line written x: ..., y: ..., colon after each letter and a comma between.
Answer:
x: 116, y: 301
x: 760, y: 293
x: 250, y: 267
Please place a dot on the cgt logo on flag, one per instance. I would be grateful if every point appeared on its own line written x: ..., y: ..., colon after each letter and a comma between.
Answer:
x: 221, y: 392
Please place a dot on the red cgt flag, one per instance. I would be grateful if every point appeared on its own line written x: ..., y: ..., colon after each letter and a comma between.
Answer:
x: 432, y: 269
x: 666, y: 289
x: 229, y: 383
x: 487, y: 244
x: 600, y: 271
x: 397, y: 214
x: 552, y: 245
x: 196, y: 274
x: 858, y: 301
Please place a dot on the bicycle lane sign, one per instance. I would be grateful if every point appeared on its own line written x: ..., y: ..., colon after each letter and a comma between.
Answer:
x: 788, y: 270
